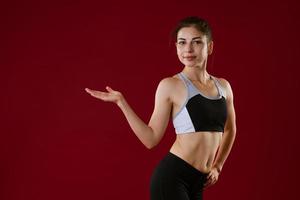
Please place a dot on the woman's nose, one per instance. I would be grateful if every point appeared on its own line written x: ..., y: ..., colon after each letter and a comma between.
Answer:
x: 188, y: 47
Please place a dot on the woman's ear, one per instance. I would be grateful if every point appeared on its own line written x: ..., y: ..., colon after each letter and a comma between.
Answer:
x: 210, y: 47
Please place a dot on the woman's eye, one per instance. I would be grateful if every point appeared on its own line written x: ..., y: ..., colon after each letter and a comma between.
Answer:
x: 181, y: 43
x: 198, y: 42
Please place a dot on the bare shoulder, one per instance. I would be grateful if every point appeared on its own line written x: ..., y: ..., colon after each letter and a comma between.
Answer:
x: 225, y: 85
x: 169, y: 82
x: 167, y: 86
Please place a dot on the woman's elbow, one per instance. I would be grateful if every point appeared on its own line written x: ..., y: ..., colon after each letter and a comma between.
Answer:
x: 231, y: 131
x: 151, y: 145
x: 154, y: 140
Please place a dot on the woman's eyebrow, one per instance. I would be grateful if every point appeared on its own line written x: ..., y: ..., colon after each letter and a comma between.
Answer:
x: 197, y: 38
x: 192, y: 38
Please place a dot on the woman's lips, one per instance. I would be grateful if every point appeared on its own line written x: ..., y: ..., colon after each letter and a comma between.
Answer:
x: 189, y: 57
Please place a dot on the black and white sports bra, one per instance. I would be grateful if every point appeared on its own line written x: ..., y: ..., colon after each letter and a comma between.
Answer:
x: 200, y: 112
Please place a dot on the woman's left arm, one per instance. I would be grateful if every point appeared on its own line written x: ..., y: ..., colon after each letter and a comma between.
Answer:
x: 227, y: 139
x: 229, y: 130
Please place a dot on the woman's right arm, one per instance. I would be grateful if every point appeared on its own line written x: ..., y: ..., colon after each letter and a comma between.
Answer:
x: 151, y: 134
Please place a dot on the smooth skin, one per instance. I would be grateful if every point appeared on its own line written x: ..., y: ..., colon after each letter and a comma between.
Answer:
x: 206, y: 151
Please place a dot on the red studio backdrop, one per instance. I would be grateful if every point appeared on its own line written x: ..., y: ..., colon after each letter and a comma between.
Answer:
x: 57, y: 142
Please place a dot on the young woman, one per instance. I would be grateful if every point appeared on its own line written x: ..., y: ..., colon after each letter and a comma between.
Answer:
x: 201, y: 107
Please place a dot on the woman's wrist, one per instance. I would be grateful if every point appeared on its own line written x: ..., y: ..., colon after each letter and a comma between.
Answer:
x: 218, y: 168
x: 121, y: 102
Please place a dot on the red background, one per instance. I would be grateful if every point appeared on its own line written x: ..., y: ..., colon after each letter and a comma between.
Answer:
x: 57, y: 142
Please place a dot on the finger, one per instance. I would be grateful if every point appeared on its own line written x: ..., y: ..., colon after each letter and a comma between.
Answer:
x: 209, y: 175
x: 108, y: 89
x: 213, y: 182
x: 99, y: 95
x: 87, y: 90
x: 90, y: 91
x: 94, y: 92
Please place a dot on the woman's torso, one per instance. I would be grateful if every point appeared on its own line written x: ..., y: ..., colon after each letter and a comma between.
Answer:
x: 198, y: 148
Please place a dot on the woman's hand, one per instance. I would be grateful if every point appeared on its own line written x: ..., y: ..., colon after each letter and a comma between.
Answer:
x: 212, y: 177
x: 110, y: 96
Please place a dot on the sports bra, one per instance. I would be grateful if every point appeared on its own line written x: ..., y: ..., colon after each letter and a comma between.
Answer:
x: 200, y: 112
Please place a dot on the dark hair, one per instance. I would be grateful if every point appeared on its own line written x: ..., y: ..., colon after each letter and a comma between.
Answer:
x: 199, y: 23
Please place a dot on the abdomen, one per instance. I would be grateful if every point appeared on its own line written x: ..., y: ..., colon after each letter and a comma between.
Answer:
x: 198, y: 149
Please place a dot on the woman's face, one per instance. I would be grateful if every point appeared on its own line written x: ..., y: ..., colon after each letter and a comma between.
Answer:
x: 192, y: 47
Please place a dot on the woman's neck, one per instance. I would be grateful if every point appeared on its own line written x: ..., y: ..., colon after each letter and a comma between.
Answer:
x: 197, y: 74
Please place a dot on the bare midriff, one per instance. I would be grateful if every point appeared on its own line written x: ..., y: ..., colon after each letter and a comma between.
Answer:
x: 198, y: 149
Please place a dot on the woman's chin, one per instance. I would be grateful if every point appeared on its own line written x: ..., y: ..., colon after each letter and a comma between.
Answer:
x: 189, y: 64
x: 192, y: 64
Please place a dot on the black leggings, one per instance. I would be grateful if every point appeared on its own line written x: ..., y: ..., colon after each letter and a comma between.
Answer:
x: 175, y: 179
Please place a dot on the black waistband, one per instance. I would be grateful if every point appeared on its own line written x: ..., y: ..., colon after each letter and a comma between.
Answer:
x: 187, y: 165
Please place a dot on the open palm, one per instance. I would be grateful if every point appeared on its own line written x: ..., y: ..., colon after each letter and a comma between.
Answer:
x: 110, y: 96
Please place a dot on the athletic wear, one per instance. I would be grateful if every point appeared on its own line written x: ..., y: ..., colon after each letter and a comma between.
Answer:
x: 175, y: 179
x: 200, y: 112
